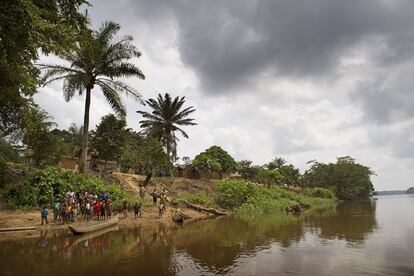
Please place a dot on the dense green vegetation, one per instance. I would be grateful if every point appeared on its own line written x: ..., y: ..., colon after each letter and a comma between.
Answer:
x: 348, y: 179
x: 199, y: 198
x: 246, y: 198
x: 44, y: 186
x: 149, y: 157
x: 109, y: 138
x: 215, y: 159
x: 28, y: 28
x: 275, y: 172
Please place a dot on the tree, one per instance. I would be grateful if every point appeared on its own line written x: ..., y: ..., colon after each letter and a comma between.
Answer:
x: 275, y: 164
x: 248, y: 171
x: 207, y: 163
x: 290, y: 174
x: 164, y: 120
x: 187, y: 161
x: 97, y: 61
x: 27, y: 28
x: 145, y: 156
x: 153, y: 159
x: 109, y: 137
x: 270, y: 177
x: 8, y: 151
x: 42, y: 146
x: 215, y: 159
x: 347, y: 178
x: 72, y: 139
x: 75, y: 138
x: 129, y: 157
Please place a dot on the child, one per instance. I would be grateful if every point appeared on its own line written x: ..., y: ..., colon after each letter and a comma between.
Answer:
x: 69, y: 212
x: 43, y: 214
x: 142, y: 193
x: 162, y: 209
x: 125, y: 208
x: 108, y: 208
x: 103, y: 210
x: 97, y: 208
x: 75, y: 212
x: 154, y: 195
x: 87, y: 211
x: 137, y: 209
x: 56, y: 210
x: 64, y: 213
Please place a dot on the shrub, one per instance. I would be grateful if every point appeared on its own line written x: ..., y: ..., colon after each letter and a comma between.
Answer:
x: 320, y: 192
x: 248, y: 199
x: 233, y: 193
x: 199, y: 199
x: 43, y: 186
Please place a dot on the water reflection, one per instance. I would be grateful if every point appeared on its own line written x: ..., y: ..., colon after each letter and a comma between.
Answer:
x: 352, y: 221
x: 214, y: 246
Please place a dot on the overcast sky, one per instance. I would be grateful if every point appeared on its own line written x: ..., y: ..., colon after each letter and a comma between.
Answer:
x: 302, y: 79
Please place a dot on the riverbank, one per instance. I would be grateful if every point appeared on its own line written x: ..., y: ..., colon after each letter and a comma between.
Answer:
x: 194, y: 199
x: 29, y: 218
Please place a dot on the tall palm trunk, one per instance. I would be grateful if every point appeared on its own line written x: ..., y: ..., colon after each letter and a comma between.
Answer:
x: 84, y: 154
x: 168, y: 146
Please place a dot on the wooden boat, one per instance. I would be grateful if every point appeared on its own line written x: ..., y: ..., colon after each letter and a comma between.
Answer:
x: 17, y: 229
x: 88, y: 236
x: 83, y: 229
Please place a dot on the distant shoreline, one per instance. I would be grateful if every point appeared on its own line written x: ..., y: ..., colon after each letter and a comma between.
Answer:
x: 396, y: 192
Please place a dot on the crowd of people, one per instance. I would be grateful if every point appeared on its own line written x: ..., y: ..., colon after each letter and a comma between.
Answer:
x: 88, y: 206
x: 82, y: 204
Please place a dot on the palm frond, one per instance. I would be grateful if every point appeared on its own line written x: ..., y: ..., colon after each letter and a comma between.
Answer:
x: 71, y: 84
x: 122, y: 69
x: 107, y: 32
x: 55, y: 72
x: 113, y: 98
x: 120, y: 86
x: 155, y: 118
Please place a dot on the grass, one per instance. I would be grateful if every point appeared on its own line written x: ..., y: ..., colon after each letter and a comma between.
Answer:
x: 252, y: 199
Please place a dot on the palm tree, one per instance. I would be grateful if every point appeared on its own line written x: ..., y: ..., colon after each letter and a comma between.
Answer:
x: 97, y: 61
x: 164, y: 120
x: 276, y: 163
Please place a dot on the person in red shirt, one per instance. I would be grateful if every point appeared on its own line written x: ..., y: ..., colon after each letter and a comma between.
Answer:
x: 96, y: 208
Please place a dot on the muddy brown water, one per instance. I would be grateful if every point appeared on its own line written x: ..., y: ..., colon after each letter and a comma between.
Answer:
x: 364, y: 238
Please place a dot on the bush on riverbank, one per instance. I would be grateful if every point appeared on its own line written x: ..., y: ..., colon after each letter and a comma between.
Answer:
x: 198, y: 198
x: 246, y: 198
x: 232, y: 194
x: 43, y: 186
x: 320, y: 192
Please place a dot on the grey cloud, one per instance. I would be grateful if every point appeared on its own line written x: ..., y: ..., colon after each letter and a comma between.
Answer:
x: 228, y: 42
x: 400, y: 142
x: 389, y: 97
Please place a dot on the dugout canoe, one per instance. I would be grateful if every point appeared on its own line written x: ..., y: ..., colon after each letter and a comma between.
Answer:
x: 81, y: 238
x: 13, y: 229
x: 83, y: 229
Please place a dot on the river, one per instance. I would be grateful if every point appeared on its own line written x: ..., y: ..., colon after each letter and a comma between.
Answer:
x: 360, y: 238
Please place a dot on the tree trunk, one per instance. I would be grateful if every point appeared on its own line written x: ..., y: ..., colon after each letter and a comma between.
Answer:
x: 168, y: 146
x: 84, y: 153
x: 147, y: 179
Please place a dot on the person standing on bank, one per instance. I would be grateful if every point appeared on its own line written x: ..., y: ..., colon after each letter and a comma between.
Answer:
x: 43, y: 214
